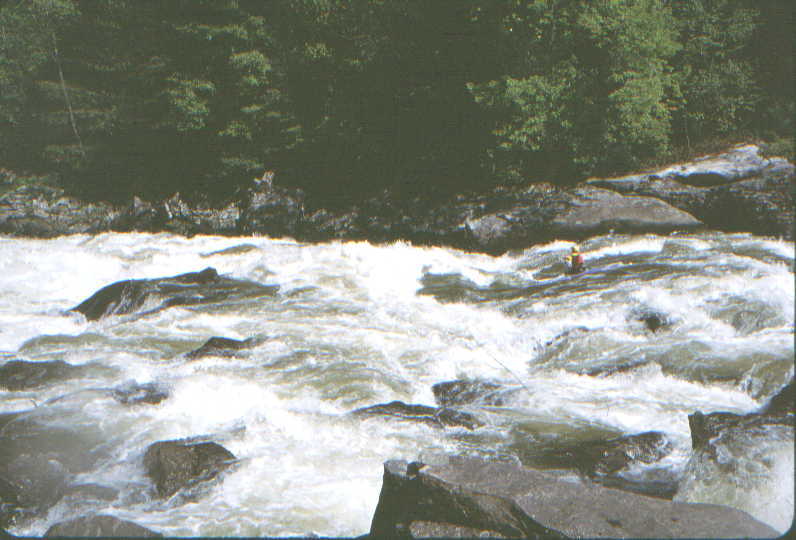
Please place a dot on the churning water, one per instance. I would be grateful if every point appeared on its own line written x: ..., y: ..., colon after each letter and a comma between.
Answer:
x: 356, y: 324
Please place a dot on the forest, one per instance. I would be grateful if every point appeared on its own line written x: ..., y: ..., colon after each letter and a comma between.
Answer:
x: 346, y: 98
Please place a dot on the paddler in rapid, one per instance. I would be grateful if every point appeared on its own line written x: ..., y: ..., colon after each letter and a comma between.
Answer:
x: 575, y: 261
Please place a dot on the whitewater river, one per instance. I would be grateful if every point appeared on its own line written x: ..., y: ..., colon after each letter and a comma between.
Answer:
x: 355, y: 324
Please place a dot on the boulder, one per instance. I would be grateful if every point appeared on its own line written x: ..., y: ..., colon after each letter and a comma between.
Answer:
x: 132, y: 295
x: 23, y: 375
x: 516, y: 501
x: 100, y: 526
x: 221, y: 346
x: 437, y: 417
x: 174, y: 465
x: 132, y: 393
x: 595, y: 211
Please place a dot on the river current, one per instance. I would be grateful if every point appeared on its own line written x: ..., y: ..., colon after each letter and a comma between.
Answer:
x: 356, y: 324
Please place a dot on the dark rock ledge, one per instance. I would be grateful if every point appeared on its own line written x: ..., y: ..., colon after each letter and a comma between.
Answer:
x: 472, y: 497
x: 735, y: 191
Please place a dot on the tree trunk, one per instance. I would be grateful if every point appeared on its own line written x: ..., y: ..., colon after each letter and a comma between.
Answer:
x: 66, y: 95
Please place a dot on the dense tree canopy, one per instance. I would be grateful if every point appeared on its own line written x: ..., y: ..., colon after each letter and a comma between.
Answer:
x: 347, y: 97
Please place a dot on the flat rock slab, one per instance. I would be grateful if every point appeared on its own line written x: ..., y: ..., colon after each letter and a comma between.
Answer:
x: 516, y: 501
x: 596, y: 210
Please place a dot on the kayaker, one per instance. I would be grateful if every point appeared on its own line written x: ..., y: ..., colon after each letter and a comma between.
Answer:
x: 575, y: 261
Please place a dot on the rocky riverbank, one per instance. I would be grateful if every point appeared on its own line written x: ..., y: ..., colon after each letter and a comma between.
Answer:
x: 737, y: 191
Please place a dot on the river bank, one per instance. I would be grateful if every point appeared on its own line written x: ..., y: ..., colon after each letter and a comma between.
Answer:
x: 734, y: 191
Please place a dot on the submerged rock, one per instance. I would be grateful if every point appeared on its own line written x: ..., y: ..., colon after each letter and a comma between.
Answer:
x: 221, y: 346
x: 707, y: 430
x: 193, y: 288
x: 100, y: 526
x: 22, y: 375
x: 438, y: 417
x: 516, y: 501
x: 464, y: 392
x: 173, y: 465
x: 132, y: 393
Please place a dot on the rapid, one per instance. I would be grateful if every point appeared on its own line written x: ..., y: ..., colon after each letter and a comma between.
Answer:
x: 355, y: 324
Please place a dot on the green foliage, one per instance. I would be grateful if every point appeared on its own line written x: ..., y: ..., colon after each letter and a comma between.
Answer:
x: 347, y: 97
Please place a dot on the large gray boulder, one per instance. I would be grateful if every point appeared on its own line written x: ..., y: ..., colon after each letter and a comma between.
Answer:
x: 515, y: 501
x: 593, y: 211
x: 133, y: 295
x: 100, y: 526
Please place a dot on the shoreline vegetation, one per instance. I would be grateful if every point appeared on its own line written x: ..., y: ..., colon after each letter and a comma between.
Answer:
x: 346, y: 99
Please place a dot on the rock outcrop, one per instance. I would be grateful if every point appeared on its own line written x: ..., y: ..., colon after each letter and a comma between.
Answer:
x: 514, y: 501
x: 100, y: 526
x: 174, y: 465
x: 133, y: 295
x: 735, y: 191
x: 738, y: 190
x: 434, y: 416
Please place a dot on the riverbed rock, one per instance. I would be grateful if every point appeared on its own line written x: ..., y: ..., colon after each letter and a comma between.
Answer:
x: 133, y: 295
x: 100, y: 526
x: 516, y: 501
x: 23, y: 375
x: 434, y: 416
x: 221, y: 346
x: 174, y: 465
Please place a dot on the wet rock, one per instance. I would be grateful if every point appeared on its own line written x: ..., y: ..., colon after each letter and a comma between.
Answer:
x: 603, y: 458
x: 29, y: 484
x: 193, y: 288
x: 221, y: 346
x: 707, y: 430
x: 22, y: 375
x: 464, y: 392
x: 132, y: 393
x: 652, y: 320
x: 82, y: 492
x: 438, y: 417
x: 173, y: 465
x: 100, y: 526
x: 516, y: 501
